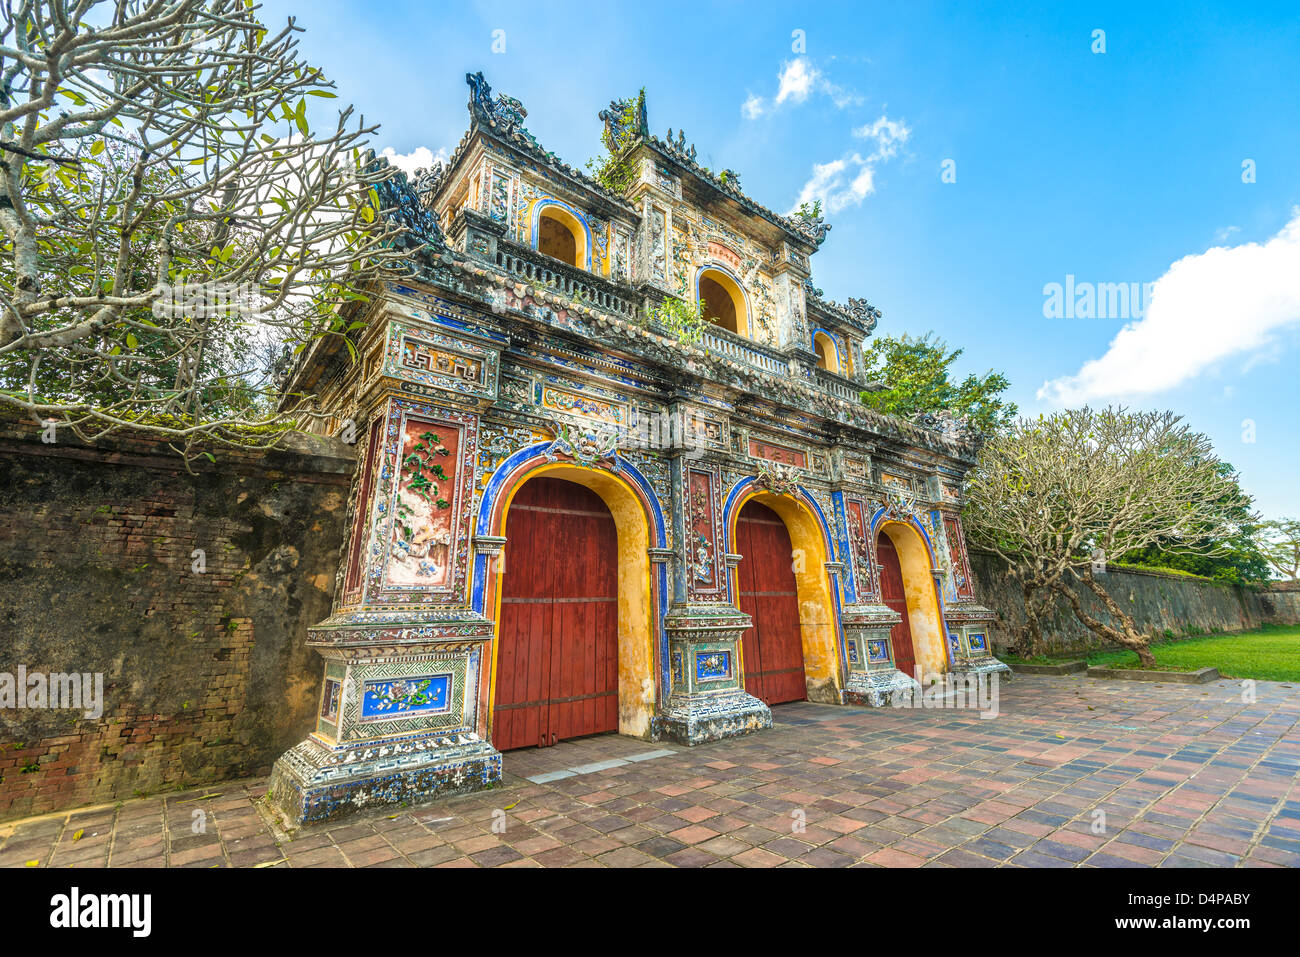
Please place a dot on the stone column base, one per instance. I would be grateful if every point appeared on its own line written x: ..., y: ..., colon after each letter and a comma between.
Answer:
x: 875, y: 688
x: 984, y: 665
x: 696, y: 719
x: 312, y: 782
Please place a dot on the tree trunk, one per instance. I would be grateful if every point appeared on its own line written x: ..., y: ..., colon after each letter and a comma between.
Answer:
x: 1126, y: 635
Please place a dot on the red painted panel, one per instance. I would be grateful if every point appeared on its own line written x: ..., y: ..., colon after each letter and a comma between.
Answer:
x: 557, y: 662
x: 892, y: 594
x: 768, y: 593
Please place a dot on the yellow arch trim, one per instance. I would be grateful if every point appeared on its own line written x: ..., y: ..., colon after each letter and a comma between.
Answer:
x: 924, y: 615
x: 574, y: 225
x: 636, y: 633
x: 832, y: 351
x: 817, y: 633
x: 734, y: 291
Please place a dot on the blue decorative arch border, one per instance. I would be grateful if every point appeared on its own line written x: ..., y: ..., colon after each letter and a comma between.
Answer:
x: 573, y: 211
x: 517, y: 466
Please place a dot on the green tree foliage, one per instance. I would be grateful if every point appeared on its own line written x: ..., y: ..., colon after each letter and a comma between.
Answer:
x: 1237, y: 559
x: 917, y: 374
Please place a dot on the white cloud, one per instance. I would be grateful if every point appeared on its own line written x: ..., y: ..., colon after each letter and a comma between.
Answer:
x: 888, y: 135
x: 839, y: 184
x: 849, y: 180
x: 753, y: 108
x: 1226, y: 301
x: 796, y: 80
x: 419, y: 158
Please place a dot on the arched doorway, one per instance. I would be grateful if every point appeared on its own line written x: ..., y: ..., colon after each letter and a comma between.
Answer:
x: 557, y: 673
x: 561, y: 235
x: 894, y: 595
x: 828, y: 354
x: 768, y: 593
x: 724, y: 302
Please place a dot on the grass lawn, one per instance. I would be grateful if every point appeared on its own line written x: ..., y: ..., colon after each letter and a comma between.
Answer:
x: 1268, y: 654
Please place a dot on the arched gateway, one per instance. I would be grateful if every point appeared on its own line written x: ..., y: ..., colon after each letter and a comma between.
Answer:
x: 569, y: 517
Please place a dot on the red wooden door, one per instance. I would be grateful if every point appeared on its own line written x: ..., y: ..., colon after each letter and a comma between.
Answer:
x: 891, y: 591
x: 557, y: 654
x: 772, y: 647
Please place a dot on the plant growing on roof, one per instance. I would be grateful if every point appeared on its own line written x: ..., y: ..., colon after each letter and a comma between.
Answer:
x: 686, y: 321
x: 624, y: 125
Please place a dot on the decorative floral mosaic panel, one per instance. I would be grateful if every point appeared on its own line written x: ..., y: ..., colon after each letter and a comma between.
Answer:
x: 712, y: 665
x: 402, y: 697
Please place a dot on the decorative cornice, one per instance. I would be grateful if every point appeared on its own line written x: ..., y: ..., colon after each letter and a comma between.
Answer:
x: 858, y: 314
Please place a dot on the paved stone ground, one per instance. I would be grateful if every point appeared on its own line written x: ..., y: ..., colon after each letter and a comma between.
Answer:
x: 1186, y: 776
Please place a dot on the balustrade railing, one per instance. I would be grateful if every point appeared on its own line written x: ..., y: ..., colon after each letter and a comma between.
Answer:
x: 837, y: 385
x: 541, y: 270
x: 719, y: 340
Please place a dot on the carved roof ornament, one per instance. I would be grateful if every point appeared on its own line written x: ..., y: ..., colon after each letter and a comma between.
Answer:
x: 679, y: 147
x: 859, y: 313
x: 865, y: 313
x: 587, y: 445
x: 947, y: 423
x: 809, y: 225
x: 504, y: 116
x: 427, y: 182
x: 620, y: 112
x: 778, y: 479
x: 400, y: 204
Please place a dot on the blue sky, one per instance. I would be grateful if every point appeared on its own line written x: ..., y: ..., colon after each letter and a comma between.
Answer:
x: 1110, y: 166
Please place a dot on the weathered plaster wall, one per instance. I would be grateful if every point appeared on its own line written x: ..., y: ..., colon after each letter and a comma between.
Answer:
x: 1157, y: 600
x: 206, y: 676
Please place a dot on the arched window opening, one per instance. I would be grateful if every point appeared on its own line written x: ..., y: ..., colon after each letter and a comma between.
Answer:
x: 724, y: 303
x: 828, y: 356
x: 555, y: 238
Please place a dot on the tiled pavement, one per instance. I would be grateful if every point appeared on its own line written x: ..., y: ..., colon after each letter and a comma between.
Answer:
x: 1185, y: 776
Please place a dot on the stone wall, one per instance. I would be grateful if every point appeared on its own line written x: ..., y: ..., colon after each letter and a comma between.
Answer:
x: 205, y: 673
x: 1157, y: 600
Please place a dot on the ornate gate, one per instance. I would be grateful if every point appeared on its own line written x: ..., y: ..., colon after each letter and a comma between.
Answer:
x: 768, y: 593
x: 893, y: 595
x: 557, y: 655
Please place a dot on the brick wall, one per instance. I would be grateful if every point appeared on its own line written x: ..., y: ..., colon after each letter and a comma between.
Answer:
x: 206, y: 675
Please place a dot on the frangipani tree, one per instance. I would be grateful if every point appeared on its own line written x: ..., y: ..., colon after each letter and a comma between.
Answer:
x: 164, y: 208
x: 1058, y: 495
x: 1279, y: 540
